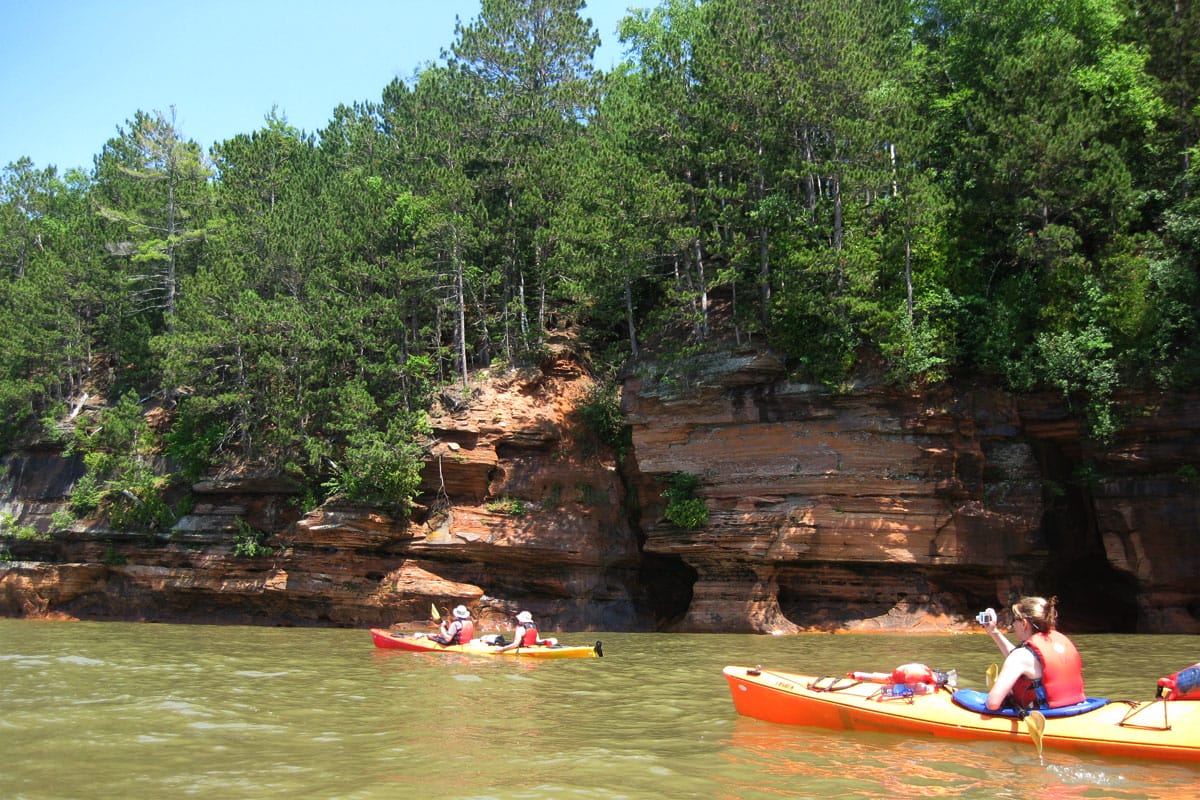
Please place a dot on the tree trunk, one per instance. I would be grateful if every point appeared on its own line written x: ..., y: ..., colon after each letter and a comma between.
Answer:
x: 629, y: 319
x: 462, y: 315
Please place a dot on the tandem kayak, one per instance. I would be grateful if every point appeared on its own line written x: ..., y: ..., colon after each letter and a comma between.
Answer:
x: 415, y: 644
x: 1153, y: 729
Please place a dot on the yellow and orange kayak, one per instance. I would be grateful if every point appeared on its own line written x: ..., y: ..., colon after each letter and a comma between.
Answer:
x: 1153, y: 729
x: 400, y: 641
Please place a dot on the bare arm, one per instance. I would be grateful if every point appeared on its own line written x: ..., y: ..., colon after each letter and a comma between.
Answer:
x: 448, y: 632
x: 1020, y: 662
x: 1000, y: 639
x: 516, y: 642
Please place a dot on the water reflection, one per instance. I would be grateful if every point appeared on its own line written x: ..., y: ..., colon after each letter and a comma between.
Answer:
x: 836, y: 764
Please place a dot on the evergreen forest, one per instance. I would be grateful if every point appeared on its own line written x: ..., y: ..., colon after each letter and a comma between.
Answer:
x: 1000, y: 191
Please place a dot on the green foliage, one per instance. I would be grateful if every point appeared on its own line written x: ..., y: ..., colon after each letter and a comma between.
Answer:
x: 17, y: 399
x: 153, y: 188
x: 193, y: 440
x: 248, y: 541
x: 1079, y: 363
x: 689, y: 514
x: 120, y: 480
x: 508, y: 505
x: 602, y: 417
x: 10, y: 529
x: 965, y: 189
x: 380, y: 466
x: 86, y: 495
x: 138, y: 504
x: 553, y: 500
x: 1172, y: 332
x: 816, y: 336
x: 112, y: 558
x: 1087, y: 475
x: 381, y: 459
x: 684, y: 509
x: 418, y: 381
x: 920, y: 348
x: 51, y: 293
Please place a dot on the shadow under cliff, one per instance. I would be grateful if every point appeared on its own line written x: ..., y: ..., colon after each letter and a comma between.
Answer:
x: 1093, y: 596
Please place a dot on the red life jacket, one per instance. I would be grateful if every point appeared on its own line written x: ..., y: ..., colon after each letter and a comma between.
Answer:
x: 529, y: 637
x: 1062, y: 674
x: 466, y: 632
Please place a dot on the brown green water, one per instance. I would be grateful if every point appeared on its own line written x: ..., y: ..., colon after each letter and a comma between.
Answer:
x: 110, y: 710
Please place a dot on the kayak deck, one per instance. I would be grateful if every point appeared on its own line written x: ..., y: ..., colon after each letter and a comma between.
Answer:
x: 414, y: 644
x: 1150, y: 729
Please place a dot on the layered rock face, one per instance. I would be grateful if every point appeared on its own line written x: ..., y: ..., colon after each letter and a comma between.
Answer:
x: 520, y: 511
x: 869, y: 510
x: 864, y: 510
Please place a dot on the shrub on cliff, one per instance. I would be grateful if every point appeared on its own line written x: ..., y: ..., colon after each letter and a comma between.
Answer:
x: 601, y: 412
x: 382, y: 456
x: 684, y: 509
x: 118, y: 450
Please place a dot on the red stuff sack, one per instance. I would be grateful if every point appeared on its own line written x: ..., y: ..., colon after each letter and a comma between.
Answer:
x: 913, y: 673
x: 1181, y: 685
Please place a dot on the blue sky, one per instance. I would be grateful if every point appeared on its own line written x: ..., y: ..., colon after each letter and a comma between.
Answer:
x: 73, y: 71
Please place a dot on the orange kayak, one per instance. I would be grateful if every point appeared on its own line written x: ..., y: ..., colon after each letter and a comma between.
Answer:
x: 414, y: 644
x: 1153, y: 729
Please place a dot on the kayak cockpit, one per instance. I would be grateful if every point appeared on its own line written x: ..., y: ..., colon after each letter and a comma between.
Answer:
x: 974, y: 700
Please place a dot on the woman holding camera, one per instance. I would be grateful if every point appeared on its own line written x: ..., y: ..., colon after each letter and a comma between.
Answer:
x: 1043, y: 670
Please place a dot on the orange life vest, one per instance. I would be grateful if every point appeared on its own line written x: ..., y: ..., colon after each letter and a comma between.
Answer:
x: 529, y: 637
x: 1062, y: 674
x: 460, y: 631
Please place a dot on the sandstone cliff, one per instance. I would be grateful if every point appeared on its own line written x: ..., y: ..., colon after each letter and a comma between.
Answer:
x: 872, y: 510
x: 863, y: 510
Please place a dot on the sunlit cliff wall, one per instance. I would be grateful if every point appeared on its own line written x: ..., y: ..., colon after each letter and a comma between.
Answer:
x: 870, y: 509
x: 862, y: 510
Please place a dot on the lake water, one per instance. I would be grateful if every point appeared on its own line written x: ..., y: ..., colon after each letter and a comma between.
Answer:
x: 114, y: 710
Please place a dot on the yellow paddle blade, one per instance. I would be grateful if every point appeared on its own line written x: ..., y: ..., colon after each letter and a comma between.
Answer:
x: 433, y: 610
x: 990, y: 675
x: 1036, y: 723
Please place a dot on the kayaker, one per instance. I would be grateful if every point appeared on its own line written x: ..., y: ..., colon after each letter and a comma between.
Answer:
x: 1044, y: 669
x: 525, y: 634
x: 461, y: 629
